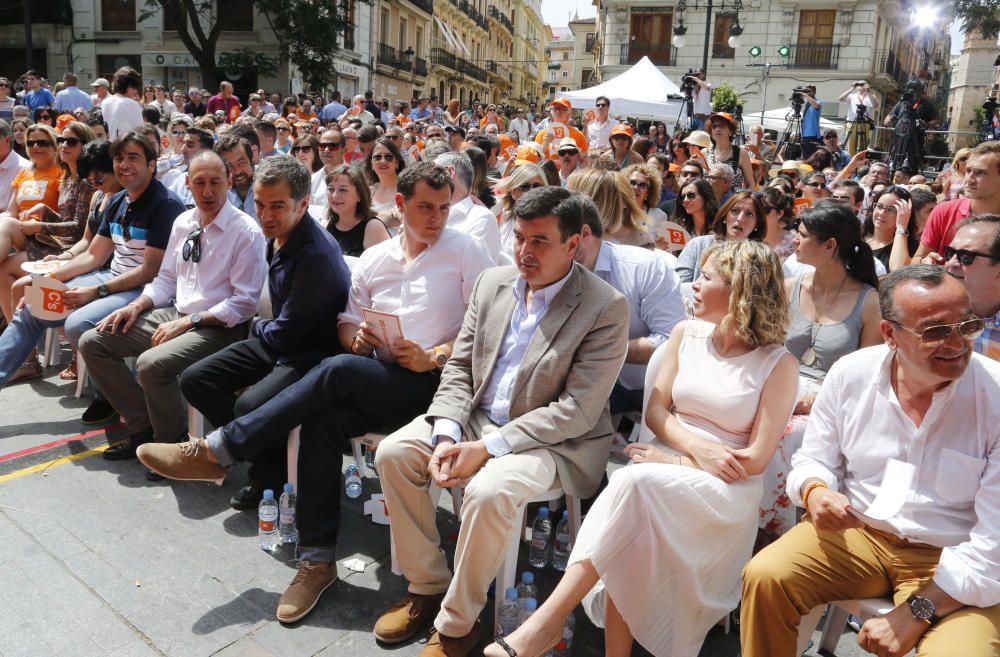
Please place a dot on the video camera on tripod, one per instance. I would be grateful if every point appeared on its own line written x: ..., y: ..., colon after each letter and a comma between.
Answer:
x: 688, y: 83
x: 797, y: 100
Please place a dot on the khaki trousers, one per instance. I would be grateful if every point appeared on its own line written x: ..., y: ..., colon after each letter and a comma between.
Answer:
x: 489, y: 518
x: 807, y: 567
x: 158, y: 402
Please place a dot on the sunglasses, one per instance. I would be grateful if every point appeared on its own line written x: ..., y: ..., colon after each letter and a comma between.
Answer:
x: 192, y: 246
x: 638, y: 184
x: 395, y: 137
x: 301, y: 149
x: 568, y: 153
x: 44, y: 117
x: 69, y: 141
x: 44, y: 143
x: 690, y: 196
x: 382, y: 158
x: 933, y: 336
x: 965, y: 256
x: 840, y: 197
x: 330, y: 146
x: 283, y: 129
x: 5, y: 85
x: 527, y: 187
x: 815, y: 185
x: 602, y: 105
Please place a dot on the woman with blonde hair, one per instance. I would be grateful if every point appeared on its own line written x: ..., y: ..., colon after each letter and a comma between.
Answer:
x: 624, y: 221
x: 646, y: 183
x: 953, y: 180
x: 349, y: 215
x: 285, y: 136
x: 523, y: 178
x: 723, y: 393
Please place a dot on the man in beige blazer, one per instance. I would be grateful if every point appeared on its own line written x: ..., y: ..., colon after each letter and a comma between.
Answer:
x: 522, y: 408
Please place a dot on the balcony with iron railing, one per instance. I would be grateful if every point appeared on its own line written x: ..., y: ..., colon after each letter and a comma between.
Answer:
x: 887, y: 62
x: 389, y: 56
x: 421, y: 67
x: 501, y: 18
x: 441, y: 57
x: 426, y: 5
x: 821, y: 56
x: 660, y: 54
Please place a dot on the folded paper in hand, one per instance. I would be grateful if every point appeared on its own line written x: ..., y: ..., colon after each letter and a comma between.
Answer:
x: 386, y: 326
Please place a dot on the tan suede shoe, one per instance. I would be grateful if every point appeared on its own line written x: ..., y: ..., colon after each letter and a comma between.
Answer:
x: 303, y: 593
x: 186, y: 461
x: 407, y: 617
x: 440, y: 645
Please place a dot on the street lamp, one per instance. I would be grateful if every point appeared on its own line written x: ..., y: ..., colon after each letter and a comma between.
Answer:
x: 735, y: 31
x: 679, y: 31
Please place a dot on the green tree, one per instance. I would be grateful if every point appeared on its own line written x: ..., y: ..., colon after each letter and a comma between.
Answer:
x: 981, y: 15
x: 725, y: 98
x: 307, y: 33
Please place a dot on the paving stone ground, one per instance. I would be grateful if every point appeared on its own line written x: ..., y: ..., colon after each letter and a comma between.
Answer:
x: 97, y: 562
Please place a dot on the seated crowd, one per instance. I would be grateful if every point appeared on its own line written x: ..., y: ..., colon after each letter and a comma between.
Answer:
x: 810, y: 323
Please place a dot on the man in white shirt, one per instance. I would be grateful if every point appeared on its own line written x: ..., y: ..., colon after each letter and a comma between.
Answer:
x: 521, y: 125
x: 925, y: 399
x: 121, y: 113
x: 465, y: 215
x: 331, y: 153
x: 195, y: 141
x: 201, y: 300
x: 859, y: 94
x: 569, y: 159
x: 599, y: 127
x: 71, y: 98
x: 654, y: 299
x: 100, y: 87
x: 10, y: 164
x: 701, y: 99
x: 424, y: 277
x: 163, y: 102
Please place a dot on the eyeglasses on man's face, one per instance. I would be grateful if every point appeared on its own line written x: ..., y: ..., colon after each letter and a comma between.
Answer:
x: 965, y: 257
x: 933, y: 336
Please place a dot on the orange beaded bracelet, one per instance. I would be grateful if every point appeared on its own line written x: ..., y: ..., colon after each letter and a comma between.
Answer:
x: 810, y: 488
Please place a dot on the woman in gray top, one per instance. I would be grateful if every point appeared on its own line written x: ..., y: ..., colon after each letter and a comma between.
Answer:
x: 740, y: 218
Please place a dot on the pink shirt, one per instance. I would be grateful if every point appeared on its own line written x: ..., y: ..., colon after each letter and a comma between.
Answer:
x: 943, y: 222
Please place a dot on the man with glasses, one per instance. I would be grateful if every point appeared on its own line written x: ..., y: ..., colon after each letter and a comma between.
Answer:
x: 851, y: 193
x: 465, y: 215
x: 831, y: 140
x: 172, y: 163
x: 194, y: 106
x: 720, y: 177
x: 101, y: 88
x: 923, y: 398
x: 814, y: 187
x: 201, y: 300
x: 974, y: 258
x: 568, y: 155
x: 560, y: 111
x: 331, y: 153
x: 599, y: 124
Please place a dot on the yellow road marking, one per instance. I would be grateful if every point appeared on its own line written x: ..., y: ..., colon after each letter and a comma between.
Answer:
x: 50, y: 464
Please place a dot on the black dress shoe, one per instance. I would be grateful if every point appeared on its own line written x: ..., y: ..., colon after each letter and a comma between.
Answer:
x: 248, y: 497
x: 99, y: 412
x: 153, y: 476
x: 126, y: 450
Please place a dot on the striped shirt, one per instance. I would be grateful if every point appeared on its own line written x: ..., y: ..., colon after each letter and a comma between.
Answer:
x: 134, y: 225
x: 988, y: 344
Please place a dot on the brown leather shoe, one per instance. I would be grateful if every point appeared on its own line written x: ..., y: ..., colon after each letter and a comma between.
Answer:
x: 407, y: 617
x: 186, y: 461
x: 440, y: 645
x: 303, y: 593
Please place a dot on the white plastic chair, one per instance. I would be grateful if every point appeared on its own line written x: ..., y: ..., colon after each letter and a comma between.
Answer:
x: 836, y: 619
x: 50, y: 354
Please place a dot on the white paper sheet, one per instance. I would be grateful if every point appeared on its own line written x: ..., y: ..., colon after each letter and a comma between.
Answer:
x: 897, y: 481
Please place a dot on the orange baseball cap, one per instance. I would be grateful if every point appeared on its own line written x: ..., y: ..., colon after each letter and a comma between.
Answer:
x: 622, y: 129
x: 563, y: 102
x: 674, y: 168
x: 726, y: 116
x: 528, y: 154
x: 62, y: 120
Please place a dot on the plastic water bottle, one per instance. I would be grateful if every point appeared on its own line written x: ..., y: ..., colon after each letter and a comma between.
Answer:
x: 370, y: 458
x: 510, y: 613
x: 528, y: 607
x: 286, y: 519
x: 541, y: 539
x: 563, y: 647
x: 563, y: 545
x: 527, y: 589
x: 352, y: 482
x: 267, y: 522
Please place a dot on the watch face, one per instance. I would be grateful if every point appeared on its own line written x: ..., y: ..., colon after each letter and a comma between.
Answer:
x: 102, y: 290
x: 922, y: 608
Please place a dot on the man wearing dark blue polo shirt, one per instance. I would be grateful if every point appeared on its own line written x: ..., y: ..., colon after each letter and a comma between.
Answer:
x: 308, y: 282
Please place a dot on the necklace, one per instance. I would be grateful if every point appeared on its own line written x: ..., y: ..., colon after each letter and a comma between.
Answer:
x: 808, y: 357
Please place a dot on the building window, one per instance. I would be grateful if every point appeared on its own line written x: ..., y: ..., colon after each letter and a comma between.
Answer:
x: 815, y: 45
x: 720, y: 39
x: 649, y: 37
x: 565, y: 74
x: 384, y: 27
x: 347, y: 6
x: 172, y: 17
x: 401, y: 41
x: 419, y: 45
x: 565, y: 56
x: 108, y: 64
x: 590, y: 41
x: 118, y: 15
x: 235, y: 15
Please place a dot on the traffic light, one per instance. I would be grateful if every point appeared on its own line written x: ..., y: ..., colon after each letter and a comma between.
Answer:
x: 784, y: 51
x: 755, y: 51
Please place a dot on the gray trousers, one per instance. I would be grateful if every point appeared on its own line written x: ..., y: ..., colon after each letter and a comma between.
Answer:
x: 158, y: 402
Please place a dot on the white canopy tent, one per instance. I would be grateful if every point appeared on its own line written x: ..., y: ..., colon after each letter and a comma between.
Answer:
x: 641, y: 92
x: 777, y: 120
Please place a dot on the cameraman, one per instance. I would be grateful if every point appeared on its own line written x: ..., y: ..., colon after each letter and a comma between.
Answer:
x: 858, y: 95
x: 810, y: 121
x: 701, y: 98
x: 923, y: 113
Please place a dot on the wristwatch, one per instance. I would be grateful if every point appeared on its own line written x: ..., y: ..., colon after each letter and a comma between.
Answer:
x: 196, y: 318
x: 103, y: 291
x: 922, y: 608
x: 440, y: 358
x: 901, y: 231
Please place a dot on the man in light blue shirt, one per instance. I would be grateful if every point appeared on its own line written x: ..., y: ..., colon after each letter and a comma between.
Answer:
x: 653, y: 292
x: 810, y: 122
x: 332, y: 110
x: 36, y: 96
x: 71, y: 98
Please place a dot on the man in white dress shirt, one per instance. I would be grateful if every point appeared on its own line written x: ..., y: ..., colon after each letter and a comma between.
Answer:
x: 331, y: 153
x: 599, y: 127
x: 202, y: 300
x: 466, y: 215
x: 923, y: 398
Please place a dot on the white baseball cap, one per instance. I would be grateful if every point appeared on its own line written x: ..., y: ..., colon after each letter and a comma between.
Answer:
x: 101, y: 82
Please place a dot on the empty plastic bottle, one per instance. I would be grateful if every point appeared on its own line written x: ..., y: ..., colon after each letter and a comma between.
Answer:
x: 509, y: 614
x: 267, y: 522
x: 286, y: 519
x: 370, y: 458
x: 528, y: 607
x: 563, y: 544
x: 527, y: 589
x: 541, y: 539
x: 352, y: 482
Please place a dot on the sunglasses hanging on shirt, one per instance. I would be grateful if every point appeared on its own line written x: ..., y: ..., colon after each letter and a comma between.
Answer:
x: 192, y: 246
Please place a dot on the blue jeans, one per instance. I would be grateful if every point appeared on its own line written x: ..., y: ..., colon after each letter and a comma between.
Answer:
x: 25, y: 329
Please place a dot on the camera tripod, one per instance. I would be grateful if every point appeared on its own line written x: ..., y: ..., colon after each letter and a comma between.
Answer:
x: 740, y: 138
x: 860, y: 132
x: 686, y: 106
x: 791, y: 134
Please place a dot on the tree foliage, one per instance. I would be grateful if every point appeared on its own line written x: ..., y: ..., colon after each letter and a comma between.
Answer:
x: 982, y: 15
x: 725, y: 98
x: 307, y: 32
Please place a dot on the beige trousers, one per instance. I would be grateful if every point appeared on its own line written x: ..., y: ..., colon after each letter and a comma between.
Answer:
x: 489, y: 518
x: 807, y: 567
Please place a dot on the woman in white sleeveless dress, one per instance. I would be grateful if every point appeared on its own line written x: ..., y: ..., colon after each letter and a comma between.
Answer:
x: 659, y: 556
